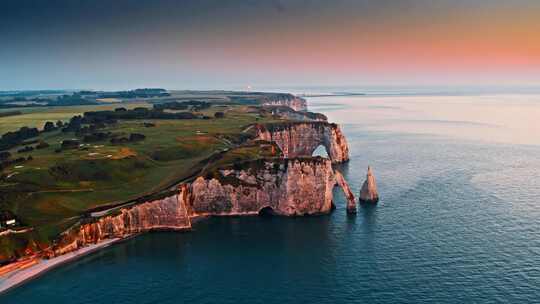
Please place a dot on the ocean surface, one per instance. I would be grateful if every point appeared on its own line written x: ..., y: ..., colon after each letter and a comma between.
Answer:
x: 458, y: 221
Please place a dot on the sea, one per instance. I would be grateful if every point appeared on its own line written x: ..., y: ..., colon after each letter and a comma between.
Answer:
x: 458, y: 173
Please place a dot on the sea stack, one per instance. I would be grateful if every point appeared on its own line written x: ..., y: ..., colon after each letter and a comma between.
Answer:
x: 368, y: 193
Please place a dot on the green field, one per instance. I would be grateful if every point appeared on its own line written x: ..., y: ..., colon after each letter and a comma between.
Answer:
x: 51, y: 191
x: 37, y: 116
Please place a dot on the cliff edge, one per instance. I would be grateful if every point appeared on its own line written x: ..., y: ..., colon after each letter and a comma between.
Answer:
x: 301, y: 138
x: 287, y: 187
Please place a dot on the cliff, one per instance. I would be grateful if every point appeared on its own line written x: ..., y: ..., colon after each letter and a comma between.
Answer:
x: 300, y: 139
x: 289, y: 100
x: 286, y: 112
x: 169, y: 213
x: 287, y: 187
x: 369, y: 193
x: 351, y: 202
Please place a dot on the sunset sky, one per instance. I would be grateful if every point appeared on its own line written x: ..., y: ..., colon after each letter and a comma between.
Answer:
x: 103, y: 44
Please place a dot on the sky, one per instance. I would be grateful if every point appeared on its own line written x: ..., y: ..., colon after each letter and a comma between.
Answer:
x: 120, y: 44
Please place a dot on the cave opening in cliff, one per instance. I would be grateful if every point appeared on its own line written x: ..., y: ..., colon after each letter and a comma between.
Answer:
x: 267, y: 211
x: 320, y: 151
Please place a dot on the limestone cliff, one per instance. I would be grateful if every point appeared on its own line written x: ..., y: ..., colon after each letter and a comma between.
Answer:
x: 168, y: 213
x: 351, y: 202
x: 297, y: 139
x: 289, y: 100
x: 288, y: 187
x: 284, y: 186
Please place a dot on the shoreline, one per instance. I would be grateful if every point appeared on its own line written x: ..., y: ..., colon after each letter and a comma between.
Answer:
x: 20, y: 276
x: 39, y: 266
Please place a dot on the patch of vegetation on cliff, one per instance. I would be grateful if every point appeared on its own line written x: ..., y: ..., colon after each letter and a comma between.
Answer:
x: 287, y: 125
x: 285, y: 111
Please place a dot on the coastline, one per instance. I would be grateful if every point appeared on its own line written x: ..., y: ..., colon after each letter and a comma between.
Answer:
x: 18, y: 277
x: 30, y: 268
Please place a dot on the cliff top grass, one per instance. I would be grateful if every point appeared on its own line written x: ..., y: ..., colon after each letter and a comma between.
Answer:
x: 287, y: 124
x: 58, y: 185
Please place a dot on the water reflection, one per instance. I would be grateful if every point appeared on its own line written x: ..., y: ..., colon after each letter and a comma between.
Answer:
x: 368, y: 212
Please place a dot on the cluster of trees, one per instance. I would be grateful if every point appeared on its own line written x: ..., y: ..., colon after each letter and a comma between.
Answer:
x: 96, y: 136
x: 195, y: 105
x: 100, y: 136
x: 20, y: 137
x: 13, y: 102
x: 70, y: 100
x: 137, y: 93
x: 133, y: 137
x: 14, y: 138
x: 6, y: 160
x: 41, y: 145
x: 70, y: 144
x: 136, y: 113
x: 62, y: 100
x: 25, y: 149
x: 82, y: 125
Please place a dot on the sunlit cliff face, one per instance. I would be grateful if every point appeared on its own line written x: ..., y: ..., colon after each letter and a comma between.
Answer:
x: 270, y: 42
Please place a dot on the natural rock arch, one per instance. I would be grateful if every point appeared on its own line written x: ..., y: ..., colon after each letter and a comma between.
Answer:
x: 321, y: 151
x: 267, y: 211
x: 300, y: 139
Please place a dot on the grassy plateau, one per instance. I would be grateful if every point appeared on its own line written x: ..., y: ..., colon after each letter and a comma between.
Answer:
x: 49, y: 192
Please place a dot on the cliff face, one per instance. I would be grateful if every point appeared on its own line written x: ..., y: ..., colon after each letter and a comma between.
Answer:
x: 284, y: 187
x: 291, y: 101
x: 297, y: 139
x: 288, y: 187
x: 168, y: 213
x: 351, y: 202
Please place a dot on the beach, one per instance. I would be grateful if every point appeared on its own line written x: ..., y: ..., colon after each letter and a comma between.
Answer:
x: 37, y: 266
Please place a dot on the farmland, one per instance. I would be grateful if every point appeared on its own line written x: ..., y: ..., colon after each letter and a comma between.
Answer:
x: 53, y: 186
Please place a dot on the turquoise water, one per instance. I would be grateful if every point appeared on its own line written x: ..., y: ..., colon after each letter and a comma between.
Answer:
x: 458, y: 222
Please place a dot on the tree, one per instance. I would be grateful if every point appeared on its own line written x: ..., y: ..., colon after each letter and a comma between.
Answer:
x: 49, y: 126
x: 219, y: 115
x: 136, y: 137
x: 4, y: 155
x: 42, y: 145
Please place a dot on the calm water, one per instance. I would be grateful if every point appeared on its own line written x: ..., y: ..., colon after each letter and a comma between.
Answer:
x: 459, y: 222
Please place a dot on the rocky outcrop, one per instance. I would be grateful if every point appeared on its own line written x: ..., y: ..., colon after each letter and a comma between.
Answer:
x: 300, y: 139
x: 287, y: 187
x: 351, y: 202
x: 368, y: 193
x: 289, y: 100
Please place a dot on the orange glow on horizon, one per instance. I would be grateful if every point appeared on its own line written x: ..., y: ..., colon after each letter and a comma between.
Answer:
x: 484, y: 42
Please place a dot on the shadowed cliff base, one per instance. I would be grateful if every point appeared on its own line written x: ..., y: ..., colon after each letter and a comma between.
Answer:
x: 267, y: 212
